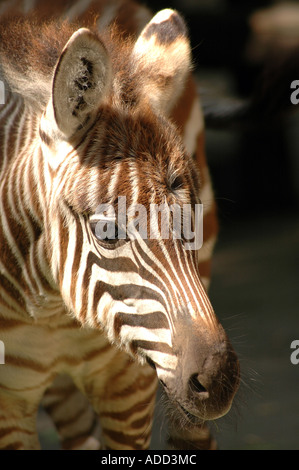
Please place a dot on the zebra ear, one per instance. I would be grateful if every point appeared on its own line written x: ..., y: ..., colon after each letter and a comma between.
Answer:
x: 163, y: 57
x: 81, y: 81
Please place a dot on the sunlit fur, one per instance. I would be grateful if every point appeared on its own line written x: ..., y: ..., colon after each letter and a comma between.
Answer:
x: 70, y: 306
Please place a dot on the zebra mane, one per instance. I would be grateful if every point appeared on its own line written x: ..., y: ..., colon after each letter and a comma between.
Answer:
x: 30, y: 48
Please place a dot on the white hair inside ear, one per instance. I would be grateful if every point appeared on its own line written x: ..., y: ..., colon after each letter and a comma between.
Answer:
x: 81, y: 81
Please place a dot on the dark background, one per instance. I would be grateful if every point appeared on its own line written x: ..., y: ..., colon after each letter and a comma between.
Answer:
x: 252, y: 166
x: 254, y: 163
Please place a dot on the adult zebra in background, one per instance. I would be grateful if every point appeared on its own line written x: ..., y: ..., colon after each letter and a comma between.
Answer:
x: 99, y: 104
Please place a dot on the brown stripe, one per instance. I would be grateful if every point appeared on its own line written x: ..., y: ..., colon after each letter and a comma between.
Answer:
x: 68, y: 421
x: 34, y: 195
x: 63, y: 246
x: 40, y: 275
x: 125, y: 415
x: 8, y: 258
x: 45, y: 138
x: 127, y: 440
x: 9, y: 324
x: 23, y: 132
x: 27, y: 363
x: 12, y: 131
x: 140, y: 423
x: 42, y: 385
x: 160, y: 275
x: 76, y: 261
x: 151, y: 346
x: 4, y: 303
x: 6, y: 431
x: 117, y: 293
x: 123, y: 263
x: 65, y: 390
x: 96, y: 352
x: 64, y: 397
x: 38, y: 367
x: 17, y: 130
x: 141, y: 383
x: 18, y: 233
x: 154, y: 320
x: 39, y: 201
x: 9, y: 287
x: 77, y: 441
x: 14, y: 446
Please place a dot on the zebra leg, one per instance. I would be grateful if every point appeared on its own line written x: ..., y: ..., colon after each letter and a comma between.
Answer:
x: 189, y: 438
x: 17, y: 423
x: 125, y: 402
x: 72, y: 414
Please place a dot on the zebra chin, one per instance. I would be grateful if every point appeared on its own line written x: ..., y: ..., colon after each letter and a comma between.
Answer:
x: 203, y: 385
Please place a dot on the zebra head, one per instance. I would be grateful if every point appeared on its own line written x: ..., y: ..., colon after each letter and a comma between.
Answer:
x: 109, y: 144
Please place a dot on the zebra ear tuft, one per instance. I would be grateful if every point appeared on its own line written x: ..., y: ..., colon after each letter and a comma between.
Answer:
x: 163, y: 57
x: 81, y: 81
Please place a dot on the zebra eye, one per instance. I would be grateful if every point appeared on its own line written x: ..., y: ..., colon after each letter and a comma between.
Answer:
x: 177, y: 183
x: 104, y: 229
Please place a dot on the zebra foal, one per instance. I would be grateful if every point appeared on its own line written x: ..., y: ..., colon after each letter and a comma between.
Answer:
x: 93, y: 114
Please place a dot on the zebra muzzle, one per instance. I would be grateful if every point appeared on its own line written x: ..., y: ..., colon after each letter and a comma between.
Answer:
x: 203, y: 384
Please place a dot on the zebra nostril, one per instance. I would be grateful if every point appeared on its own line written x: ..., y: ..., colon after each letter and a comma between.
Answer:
x: 197, y: 387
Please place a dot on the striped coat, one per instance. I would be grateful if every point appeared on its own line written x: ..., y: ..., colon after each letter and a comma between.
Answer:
x: 66, y: 336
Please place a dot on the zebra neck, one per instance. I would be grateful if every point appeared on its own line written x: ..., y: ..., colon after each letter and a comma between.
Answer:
x: 24, y: 265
